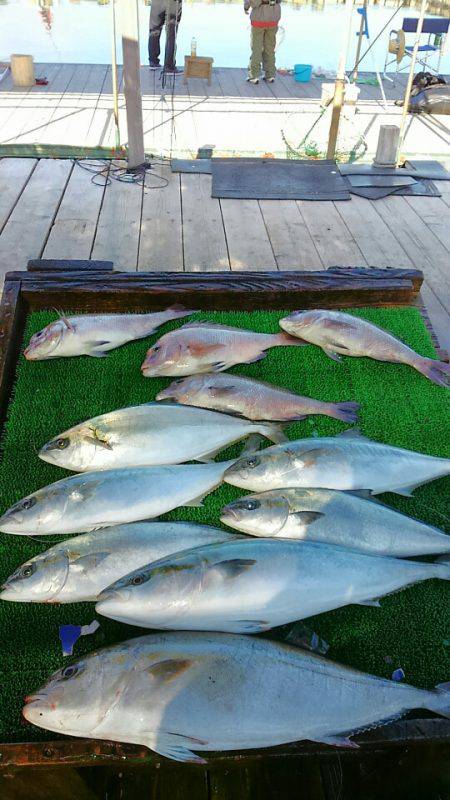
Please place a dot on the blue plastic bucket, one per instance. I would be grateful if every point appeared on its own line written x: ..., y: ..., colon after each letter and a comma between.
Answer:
x: 302, y: 72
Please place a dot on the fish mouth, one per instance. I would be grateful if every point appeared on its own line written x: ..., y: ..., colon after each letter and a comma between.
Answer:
x: 165, y: 394
x: 229, y: 513
x: 9, y: 522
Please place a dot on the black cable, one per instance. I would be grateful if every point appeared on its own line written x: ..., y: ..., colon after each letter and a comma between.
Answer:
x: 105, y: 171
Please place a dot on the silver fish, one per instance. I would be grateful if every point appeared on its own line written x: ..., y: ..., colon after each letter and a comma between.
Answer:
x: 94, y: 500
x: 339, y: 334
x: 252, y: 585
x: 76, y: 570
x: 235, y: 394
x: 180, y: 692
x: 348, y: 461
x: 150, y: 434
x: 96, y: 334
x: 207, y: 347
x: 340, y: 518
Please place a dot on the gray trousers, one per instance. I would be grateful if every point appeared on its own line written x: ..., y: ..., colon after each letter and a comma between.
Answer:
x: 168, y: 13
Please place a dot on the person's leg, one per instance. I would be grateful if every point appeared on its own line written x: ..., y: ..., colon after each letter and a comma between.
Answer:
x: 157, y: 19
x: 257, y: 40
x: 268, y: 53
x: 173, y: 20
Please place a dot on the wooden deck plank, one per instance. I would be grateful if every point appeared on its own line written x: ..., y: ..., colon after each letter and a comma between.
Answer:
x: 73, y: 231
x: 14, y: 173
x: 433, y: 211
x: 205, y: 247
x: 25, y: 233
x: 117, y: 237
x: 37, y: 131
x: 375, y: 240
x: 334, y: 242
x: 247, y: 239
x: 66, y: 120
x: 161, y: 239
x: 23, y: 110
x: 419, y: 242
x: 291, y: 241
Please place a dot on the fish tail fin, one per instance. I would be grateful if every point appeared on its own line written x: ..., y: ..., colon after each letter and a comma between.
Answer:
x: 440, y: 702
x: 436, y: 371
x: 283, y: 339
x: 346, y: 412
x: 177, y: 310
x: 273, y: 432
x: 442, y: 565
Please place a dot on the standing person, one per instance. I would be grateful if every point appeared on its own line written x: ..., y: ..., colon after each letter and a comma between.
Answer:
x: 166, y: 12
x: 264, y: 19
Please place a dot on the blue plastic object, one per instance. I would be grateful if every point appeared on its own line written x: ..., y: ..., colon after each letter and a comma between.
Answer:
x: 302, y: 72
x: 365, y: 30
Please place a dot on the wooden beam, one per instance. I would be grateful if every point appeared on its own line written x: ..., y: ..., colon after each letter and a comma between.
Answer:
x: 128, y: 19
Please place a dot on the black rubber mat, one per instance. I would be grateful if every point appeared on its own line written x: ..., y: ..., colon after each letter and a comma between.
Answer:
x: 384, y: 181
x: 277, y: 179
x: 420, y: 188
x: 197, y: 165
x: 431, y: 170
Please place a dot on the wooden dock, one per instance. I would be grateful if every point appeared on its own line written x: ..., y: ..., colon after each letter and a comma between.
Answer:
x: 75, y: 108
x: 52, y: 209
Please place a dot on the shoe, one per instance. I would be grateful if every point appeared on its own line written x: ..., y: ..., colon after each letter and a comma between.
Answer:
x: 252, y: 80
x: 269, y: 80
x: 172, y: 70
x: 154, y: 65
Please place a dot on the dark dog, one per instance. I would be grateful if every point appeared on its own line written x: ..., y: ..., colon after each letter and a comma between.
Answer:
x: 425, y: 79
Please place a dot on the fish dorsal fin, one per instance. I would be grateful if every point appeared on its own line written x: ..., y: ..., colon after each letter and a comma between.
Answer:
x: 353, y: 433
x: 205, y: 324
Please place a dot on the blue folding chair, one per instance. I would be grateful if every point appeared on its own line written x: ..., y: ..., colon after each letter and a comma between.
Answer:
x: 436, y: 29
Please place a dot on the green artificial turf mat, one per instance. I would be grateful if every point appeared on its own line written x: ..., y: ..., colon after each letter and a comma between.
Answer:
x: 399, y: 406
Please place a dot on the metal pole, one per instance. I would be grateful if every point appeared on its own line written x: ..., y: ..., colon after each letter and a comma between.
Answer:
x: 410, y: 81
x: 354, y: 74
x: 114, y: 76
x: 339, y: 86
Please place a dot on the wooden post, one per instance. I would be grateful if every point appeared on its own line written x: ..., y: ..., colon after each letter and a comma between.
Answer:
x: 339, y: 86
x: 386, y: 155
x: 129, y: 29
x: 410, y: 81
x: 114, y: 75
x: 22, y: 70
x: 354, y: 74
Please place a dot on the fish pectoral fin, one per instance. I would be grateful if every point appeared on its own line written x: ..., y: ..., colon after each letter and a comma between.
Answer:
x: 222, y: 391
x: 176, y: 746
x: 259, y: 357
x: 307, y: 517
x: 96, y: 353
x: 198, y: 350
x: 168, y: 670
x: 337, y: 741
x: 372, y: 603
x: 252, y: 444
x: 91, y: 561
x: 331, y: 353
x: 309, y: 458
x: 233, y: 567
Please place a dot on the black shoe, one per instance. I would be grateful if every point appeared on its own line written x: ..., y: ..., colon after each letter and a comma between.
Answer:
x: 154, y: 65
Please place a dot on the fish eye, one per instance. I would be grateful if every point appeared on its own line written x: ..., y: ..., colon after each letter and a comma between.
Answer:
x: 137, y: 580
x: 61, y: 444
x: 251, y: 505
x: 69, y: 672
x: 28, y: 503
x: 252, y: 462
x: 28, y: 570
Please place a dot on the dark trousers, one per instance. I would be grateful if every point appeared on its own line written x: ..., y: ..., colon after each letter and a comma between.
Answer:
x: 168, y: 13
